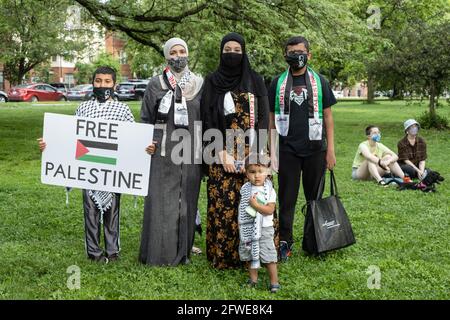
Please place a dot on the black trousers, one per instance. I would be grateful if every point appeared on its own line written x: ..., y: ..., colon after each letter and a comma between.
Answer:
x: 291, y: 168
x: 407, y: 169
x: 111, y: 227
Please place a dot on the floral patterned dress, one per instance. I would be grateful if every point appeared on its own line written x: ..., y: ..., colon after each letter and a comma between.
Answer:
x: 222, y: 236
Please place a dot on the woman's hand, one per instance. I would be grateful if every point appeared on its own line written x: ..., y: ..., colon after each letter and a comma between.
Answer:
x: 227, y: 161
x: 42, y: 144
x: 420, y: 173
x: 151, y: 148
x: 384, y: 163
x: 331, y: 159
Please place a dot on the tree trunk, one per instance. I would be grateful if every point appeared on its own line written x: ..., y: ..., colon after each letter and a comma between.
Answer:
x: 432, y: 105
x: 370, y: 88
x: 20, y: 76
x: 15, y: 73
x: 397, y: 93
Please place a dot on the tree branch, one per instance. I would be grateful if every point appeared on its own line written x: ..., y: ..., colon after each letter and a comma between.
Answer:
x: 99, y: 7
x: 113, y: 19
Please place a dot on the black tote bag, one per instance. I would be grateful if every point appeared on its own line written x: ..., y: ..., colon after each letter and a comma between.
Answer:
x: 327, y: 226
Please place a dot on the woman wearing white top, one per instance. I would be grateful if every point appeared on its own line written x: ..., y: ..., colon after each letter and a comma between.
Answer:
x: 374, y: 160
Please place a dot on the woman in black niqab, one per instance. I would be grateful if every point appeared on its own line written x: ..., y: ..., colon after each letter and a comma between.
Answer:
x: 235, y: 79
x: 229, y: 76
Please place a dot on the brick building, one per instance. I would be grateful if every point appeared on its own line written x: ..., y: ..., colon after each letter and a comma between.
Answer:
x: 63, y: 71
x: 116, y: 47
x: 4, y: 84
x: 358, y: 90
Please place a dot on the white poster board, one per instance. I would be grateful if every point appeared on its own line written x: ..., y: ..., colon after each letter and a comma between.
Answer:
x: 96, y: 154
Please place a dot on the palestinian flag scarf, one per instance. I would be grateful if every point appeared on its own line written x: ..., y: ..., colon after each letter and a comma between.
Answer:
x: 282, y: 104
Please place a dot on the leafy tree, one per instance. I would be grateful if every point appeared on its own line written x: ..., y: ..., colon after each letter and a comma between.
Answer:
x: 144, y: 62
x: 422, y: 61
x: 423, y: 30
x: 43, y: 72
x: 31, y: 32
x: 393, y: 19
x: 84, y: 71
x: 265, y: 24
x: 106, y: 59
x: 350, y: 40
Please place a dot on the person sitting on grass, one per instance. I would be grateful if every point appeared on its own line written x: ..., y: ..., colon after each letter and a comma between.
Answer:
x: 255, y: 219
x: 373, y: 160
x: 412, y: 151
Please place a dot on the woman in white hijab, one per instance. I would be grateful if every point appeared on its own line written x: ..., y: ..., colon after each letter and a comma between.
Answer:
x: 171, y: 102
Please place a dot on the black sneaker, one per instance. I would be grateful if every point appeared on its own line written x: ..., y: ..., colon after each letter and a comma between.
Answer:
x: 250, y: 284
x: 101, y: 259
x: 113, y: 257
x: 274, y: 288
x: 285, y: 251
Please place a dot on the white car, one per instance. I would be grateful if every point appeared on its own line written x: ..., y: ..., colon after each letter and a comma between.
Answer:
x: 3, y: 97
x: 338, y: 94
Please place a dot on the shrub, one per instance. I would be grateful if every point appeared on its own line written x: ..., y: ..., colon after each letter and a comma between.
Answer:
x: 428, y: 121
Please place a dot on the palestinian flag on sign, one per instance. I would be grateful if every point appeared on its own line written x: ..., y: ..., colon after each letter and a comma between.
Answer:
x: 94, y: 151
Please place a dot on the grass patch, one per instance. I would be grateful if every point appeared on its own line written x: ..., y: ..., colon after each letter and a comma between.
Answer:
x: 404, y: 233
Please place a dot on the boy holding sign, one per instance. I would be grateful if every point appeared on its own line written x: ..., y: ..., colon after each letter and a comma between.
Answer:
x: 101, y: 206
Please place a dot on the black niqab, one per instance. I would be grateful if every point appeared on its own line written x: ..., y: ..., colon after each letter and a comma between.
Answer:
x: 240, y: 78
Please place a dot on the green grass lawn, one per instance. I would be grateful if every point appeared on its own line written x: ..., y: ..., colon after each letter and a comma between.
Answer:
x: 405, y: 234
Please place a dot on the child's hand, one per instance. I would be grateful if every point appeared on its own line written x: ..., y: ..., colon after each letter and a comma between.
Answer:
x: 254, y: 202
x: 42, y: 144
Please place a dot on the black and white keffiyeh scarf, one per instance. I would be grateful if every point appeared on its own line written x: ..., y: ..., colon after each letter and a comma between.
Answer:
x: 250, y: 227
x: 174, y: 96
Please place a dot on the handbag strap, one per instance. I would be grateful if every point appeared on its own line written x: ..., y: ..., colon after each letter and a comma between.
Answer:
x: 333, y: 185
x: 321, y: 186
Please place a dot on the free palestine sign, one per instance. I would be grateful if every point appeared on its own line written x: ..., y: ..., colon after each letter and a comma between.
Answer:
x: 96, y: 154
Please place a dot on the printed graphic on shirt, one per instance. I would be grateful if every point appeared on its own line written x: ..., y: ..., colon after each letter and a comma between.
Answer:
x: 299, y: 94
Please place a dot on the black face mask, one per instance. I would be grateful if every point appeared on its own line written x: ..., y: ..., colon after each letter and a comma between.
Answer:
x: 178, y: 64
x: 102, y: 94
x: 231, y: 59
x: 297, y: 61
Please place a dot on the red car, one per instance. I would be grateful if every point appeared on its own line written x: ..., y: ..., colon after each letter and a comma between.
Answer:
x: 35, y: 92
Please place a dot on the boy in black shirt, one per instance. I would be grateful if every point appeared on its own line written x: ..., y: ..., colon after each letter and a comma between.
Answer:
x: 300, y: 101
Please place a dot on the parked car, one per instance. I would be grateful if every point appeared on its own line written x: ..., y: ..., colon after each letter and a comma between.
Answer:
x: 131, y: 90
x: 3, y: 97
x: 146, y: 81
x: 35, y: 92
x: 379, y: 94
x: 61, y: 87
x: 338, y: 94
x: 79, y: 92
